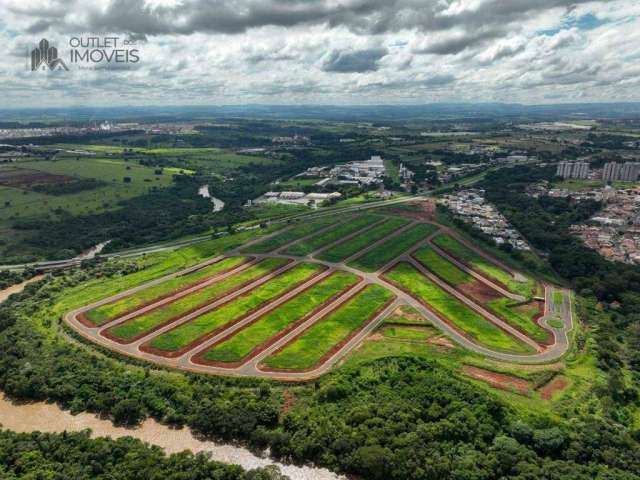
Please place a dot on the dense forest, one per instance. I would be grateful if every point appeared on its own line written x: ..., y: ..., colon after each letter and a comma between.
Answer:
x: 75, y: 456
x: 394, y: 418
x: 611, y: 290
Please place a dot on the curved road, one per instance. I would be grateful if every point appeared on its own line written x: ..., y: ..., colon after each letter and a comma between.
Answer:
x: 251, y: 367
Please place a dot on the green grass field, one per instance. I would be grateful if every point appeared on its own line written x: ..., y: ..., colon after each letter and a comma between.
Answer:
x: 189, y: 332
x: 415, y: 334
x: 318, y: 340
x: 442, y: 267
x: 394, y: 247
x: 110, y: 311
x: 26, y: 203
x: 247, y: 340
x: 482, y: 265
x: 147, y: 321
x: 350, y: 247
x: 297, y: 231
x: 519, y: 317
x: 305, y: 247
x: 468, y: 321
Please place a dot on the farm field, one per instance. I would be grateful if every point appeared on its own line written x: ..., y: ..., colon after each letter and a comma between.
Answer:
x: 25, y: 202
x: 287, y: 236
x: 394, y: 247
x: 520, y: 316
x: 184, y: 335
x: 110, y: 311
x: 318, y: 340
x: 482, y: 265
x: 352, y: 246
x: 247, y: 340
x: 466, y: 320
x: 305, y: 247
x: 139, y: 325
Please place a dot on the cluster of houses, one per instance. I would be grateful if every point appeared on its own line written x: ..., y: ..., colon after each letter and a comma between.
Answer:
x: 471, y: 206
x: 614, y: 232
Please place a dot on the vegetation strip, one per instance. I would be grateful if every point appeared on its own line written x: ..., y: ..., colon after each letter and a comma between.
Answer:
x: 520, y: 316
x: 134, y: 328
x: 294, y: 233
x: 392, y: 248
x: 352, y: 246
x: 119, y: 308
x: 305, y: 247
x: 184, y: 336
x: 483, y: 266
x: 316, y: 344
x: 277, y: 323
x: 453, y: 311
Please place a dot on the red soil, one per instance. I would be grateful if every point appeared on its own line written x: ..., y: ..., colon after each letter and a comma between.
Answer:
x: 146, y: 347
x: 289, y: 401
x: 498, y: 380
x: 435, y: 312
x: 85, y: 321
x: 25, y: 178
x: 441, y: 341
x: 334, y: 349
x: 478, y: 291
x: 199, y: 358
x: 110, y: 336
x: 425, y: 212
x: 557, y: 384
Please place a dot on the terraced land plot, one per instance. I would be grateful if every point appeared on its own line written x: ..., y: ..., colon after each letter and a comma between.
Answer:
x: 467, y: 256
x: 346, y: 249
x: 305, y: 247
x: 183, y: 336
x: 520, y: 316
x: 394, y: 247
x: 145, y: 323
x: 328, y: 334
x: 473, y: 325
x: 289, y: 235
x: 110, y: 311
x: 281, y: 319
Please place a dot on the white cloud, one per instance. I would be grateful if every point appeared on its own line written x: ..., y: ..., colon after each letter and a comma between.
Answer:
x: 321, y: 51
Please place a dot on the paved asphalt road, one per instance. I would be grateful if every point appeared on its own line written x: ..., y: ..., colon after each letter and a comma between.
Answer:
x: 252, y: 366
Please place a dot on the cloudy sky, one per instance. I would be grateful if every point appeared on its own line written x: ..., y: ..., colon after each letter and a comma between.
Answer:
x: 328, y: 51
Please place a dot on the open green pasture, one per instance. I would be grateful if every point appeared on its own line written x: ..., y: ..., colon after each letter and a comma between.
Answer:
x: 149, y: 320
x: 481, y: 264
x: 305, y: 247
x: 25, y: 203
x: 521, y: 317
x: 468, y: 321
x: 189, y: 332
x: 441, y: 266
x: 518, y: 316
x: 109, y: 311
x: 289, y: 235
x: 408, y: 333
x: 318, y: 340
x: 394, y: 247
x: 350, y: 247
x: 247, y: 340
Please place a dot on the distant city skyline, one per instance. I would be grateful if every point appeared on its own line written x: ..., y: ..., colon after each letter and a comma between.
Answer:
x: 330, y: 52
